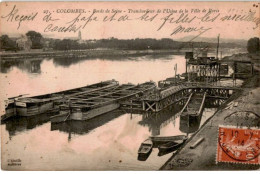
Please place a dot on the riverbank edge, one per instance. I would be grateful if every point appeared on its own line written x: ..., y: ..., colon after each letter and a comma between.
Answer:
x: 87, y: 54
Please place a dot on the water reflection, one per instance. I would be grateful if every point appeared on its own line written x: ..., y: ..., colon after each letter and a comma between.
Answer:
x: 156, y: 121
x: 110, y: 138
x: 66, y: 62
x: 83, y: 127
x: 21, y: 124
x: 189, y: 125
x: 30, y: 65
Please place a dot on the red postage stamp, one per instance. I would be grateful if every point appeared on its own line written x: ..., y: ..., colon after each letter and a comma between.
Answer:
x: 238, y: 145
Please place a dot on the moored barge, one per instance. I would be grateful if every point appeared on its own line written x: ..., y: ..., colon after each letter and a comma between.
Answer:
x: 194, y: 107
x: 84, y: 107
x: 29, y: 106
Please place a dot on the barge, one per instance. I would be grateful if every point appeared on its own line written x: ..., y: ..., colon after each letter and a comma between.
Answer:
x: 85, y: 107
x: 29, y: 106
x: 194, y: 107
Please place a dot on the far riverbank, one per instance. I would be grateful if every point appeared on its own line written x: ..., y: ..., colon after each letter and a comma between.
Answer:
x: 92, y: 53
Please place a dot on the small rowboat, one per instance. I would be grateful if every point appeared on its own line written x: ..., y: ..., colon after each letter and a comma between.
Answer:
x: 145, y: 150
x: 160, y: 140
x: 170, y: 147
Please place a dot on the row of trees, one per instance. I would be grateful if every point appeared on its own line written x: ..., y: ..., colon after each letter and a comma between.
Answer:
x: 38, y: 42
x: 8, y: 44
x: 131, y: 44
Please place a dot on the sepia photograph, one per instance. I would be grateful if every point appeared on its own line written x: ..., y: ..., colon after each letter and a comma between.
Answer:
x: 130, y: 86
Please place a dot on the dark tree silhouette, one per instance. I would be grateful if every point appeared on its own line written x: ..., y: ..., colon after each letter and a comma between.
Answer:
x: 253, y: 45
x: 36, y: 39
x: 7, y: 44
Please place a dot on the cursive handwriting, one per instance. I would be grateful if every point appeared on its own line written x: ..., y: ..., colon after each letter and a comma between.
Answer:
x: 16, y: 17
x: 182, y: 22
x: 250, y: 17
x: 181, y: 29
x: 147, y: 17
x: 84, y: 19
x: 183, y: 18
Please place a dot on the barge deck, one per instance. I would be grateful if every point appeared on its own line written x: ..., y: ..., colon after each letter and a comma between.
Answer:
x: 84, y: 107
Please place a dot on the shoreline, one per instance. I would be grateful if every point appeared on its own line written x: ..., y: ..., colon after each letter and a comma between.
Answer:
x: 74, y: 54
x: 90, y: 53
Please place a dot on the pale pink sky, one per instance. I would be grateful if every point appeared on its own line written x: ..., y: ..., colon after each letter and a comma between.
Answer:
x: 134, y: 28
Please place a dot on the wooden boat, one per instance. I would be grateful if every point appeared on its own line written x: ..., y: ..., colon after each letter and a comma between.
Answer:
x: 29, y: 106
x: 170, y: 146
x: 159, y: 140
x: 88, y: 106
x: 193, y: 108
x: 145, y: 150
x: 10, y: 109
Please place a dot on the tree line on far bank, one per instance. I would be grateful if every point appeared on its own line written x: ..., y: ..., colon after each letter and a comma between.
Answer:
x: 253, y: 45
x: 39, y: 42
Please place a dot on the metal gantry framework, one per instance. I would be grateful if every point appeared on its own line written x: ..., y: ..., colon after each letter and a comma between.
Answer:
x: 154, y: 104
x: 203, y: 69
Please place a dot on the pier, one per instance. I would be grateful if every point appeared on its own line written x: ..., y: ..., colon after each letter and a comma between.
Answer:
x: 179, y: 94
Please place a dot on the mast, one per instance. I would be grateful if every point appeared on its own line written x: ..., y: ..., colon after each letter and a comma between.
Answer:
x: 217, y: 46
x: 175, y: 68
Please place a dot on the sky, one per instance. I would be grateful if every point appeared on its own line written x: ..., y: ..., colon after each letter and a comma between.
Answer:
x: 128, y: 25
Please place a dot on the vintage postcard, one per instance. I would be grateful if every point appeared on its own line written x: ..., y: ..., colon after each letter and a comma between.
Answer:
x: 130, y: 86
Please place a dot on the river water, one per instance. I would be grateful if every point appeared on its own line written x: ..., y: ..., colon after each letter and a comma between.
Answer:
x: 108, y: 142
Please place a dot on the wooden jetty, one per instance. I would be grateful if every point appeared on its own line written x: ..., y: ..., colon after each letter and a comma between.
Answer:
x: 193, y: 108
x: 162, y: 98
x: 29, y: 106
x: 87, y: 106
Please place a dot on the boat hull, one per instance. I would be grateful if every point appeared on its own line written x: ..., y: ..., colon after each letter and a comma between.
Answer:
x: 34, y: 110
x: 94, y: 112
x: 10, y: 112
x: 164, y: 149
x: 145, y: 150
x: 144, y: 156
x: 159, y: 140
x: 29, y: 107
